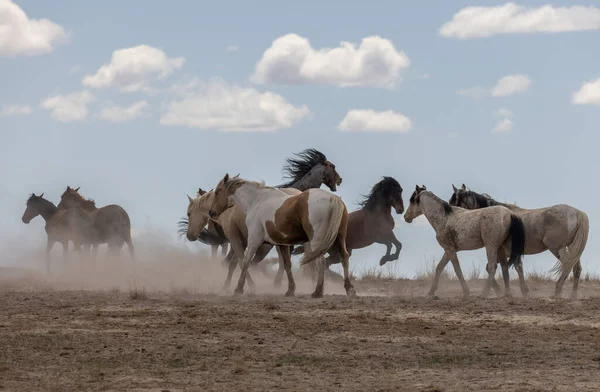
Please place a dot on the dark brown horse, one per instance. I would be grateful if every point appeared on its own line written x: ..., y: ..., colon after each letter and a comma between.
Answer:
x: 62, y: 225
x: 374, y: 223
x: 110, y: 224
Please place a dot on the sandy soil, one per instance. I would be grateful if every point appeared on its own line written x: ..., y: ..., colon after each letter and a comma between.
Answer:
x: 167, y: 327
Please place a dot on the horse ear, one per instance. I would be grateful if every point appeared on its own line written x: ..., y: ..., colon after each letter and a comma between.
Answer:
x: 237, y: 175
x: 201, y: 191
x: 33, y: 194
x: 189, y: 198
x: 417, y: 188
x: 77, y: 190
x: 42, y: 195
x: 463, y: 187
x: 68, y: 188
x: 226, y: 178
x: 424, y: 187
x: 454, y: 188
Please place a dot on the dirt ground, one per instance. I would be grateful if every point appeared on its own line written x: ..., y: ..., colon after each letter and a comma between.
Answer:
x: 170, y: 328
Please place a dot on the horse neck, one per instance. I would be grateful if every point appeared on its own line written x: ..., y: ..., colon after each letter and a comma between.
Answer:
x: 87, y: 205
x: 47, y: 209
x: 246, y: 196
x: 433, y: 209
x: 312, y: 179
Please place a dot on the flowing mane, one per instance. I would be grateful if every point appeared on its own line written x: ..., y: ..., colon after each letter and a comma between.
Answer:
x: 85, y: 203
x: 296, y: 168
x: 383, y: 187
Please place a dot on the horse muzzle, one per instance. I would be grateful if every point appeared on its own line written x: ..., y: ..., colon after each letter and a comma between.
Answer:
x: 191, y: 237
x: 408, y: 219
x: 400, y: 210
x: 25, y: 220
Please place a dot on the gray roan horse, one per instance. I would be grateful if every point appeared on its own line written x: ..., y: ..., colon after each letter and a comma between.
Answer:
x: 61, y: 225
x: 110, y: 224
x: 457, y: 229
x: 561, y: 229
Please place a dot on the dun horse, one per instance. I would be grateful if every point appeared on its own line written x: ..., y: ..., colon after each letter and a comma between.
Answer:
x: 314, y: 217
x: 61, y: 225
x: 560, y: 228
x: 374, y: 223
x: 458, y: 229
x: 110, y: 224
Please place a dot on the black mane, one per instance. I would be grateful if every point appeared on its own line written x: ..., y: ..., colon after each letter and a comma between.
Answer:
x: 296, y: 168
x: 482, y: 199
x: 383, y: 187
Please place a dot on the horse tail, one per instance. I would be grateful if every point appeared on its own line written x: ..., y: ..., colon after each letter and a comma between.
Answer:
x: 337, y: 210
x: 298, y: 250
x: 517, y: 234
x: 576, y: 247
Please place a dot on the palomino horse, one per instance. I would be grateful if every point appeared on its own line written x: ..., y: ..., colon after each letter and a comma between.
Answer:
x: 374, y: 223
x: 315, y: 217
x: 560, y: 228
x: 458, y: 229
x: 110, y: 224
x: 61, y: 225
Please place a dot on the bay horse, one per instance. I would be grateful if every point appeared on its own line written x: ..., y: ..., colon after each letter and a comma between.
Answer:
x: 561, y: 229
x: 110, y: 224
x: 458, y: 229
x: 315, y: 217
x: 373, y: 222
x: 62, y: 225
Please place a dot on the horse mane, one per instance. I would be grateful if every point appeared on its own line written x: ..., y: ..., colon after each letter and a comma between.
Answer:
x: 86, y: 203
x: 383, y: 187
x: 234, y: 183
x: 296, y: 168
x: 447, y: 207
x: 485, y: 200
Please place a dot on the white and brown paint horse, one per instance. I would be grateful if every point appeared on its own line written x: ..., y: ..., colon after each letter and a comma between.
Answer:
x: 561, y: 229
x: 458, y: 229
x: 315, y: 218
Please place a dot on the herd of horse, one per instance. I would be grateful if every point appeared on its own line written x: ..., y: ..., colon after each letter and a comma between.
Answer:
x: 248, y: 218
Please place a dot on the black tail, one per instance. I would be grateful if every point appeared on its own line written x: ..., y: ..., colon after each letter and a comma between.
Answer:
x: 517, y: 234
x: 298, y: 250
x: 205, y: 236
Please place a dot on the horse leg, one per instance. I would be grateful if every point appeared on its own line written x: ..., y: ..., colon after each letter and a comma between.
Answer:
x: 492, y: 255
x: 563, y: 257
x: 281, y: 268
x: 130, y: 245
x: 224, y: 250
x: 386, y: 257
x: 524, y: 288
x: 213, y: 251
x: 391, y: 239
x: 318, y: 293
x: 65, y: 246
x: 505, y: 272
x: 237, y: 254
x: 438, y: 272
x: 459, y: 274
x: 495, y: 284
x: 285, y: 258
x: 576, y: 274
x: 250, y: 251
x: 49, y: 245
x: 344, y: 254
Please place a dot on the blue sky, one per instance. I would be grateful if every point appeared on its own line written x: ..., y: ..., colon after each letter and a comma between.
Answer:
x: 445, y: 89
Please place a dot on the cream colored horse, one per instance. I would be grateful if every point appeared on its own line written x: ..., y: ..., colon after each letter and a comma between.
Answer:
x: 560, y: 228
x: 315, y: 218
x: 458, y: 229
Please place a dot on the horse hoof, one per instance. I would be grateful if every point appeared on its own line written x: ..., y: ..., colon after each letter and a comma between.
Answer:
x: 351, y: 292
x: 238, y: 292
x: 382, y: 262
x: 316, y: 295
x: 289, y: 294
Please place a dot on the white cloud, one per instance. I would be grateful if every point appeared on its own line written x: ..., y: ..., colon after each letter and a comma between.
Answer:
x: 502, y: 112
x: 232, y: 48
x: 292, y: 60
x: 15, y: 110
x: 476, y: 92
x: 504, y: 125
x: 119, y: 114
x: 372, y: 121
x: 225, y: 107
x: 588, y: 94
x: 510, y: 18
x: 511, y: 84
x: 20, y: 35
x: 133, y: 69
x: 69, y: 108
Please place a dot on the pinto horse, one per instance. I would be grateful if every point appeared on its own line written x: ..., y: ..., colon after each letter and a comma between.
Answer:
x: 316, y: 218
x: 111, y: 224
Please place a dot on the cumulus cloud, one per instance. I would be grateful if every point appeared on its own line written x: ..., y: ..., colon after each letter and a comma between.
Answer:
x: 15, y: 110
x: 508, y: 85
x: 588, y: 94
x: 69, y: 108
x: 510, y: 18
x: 226, y: 107
x: 119, y: 114
x: 292, y: 60
x: 133, y: 69
x: 511, y: 84
x: 504, y: 125
x: 371, y: 121
x: 20, y: 35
